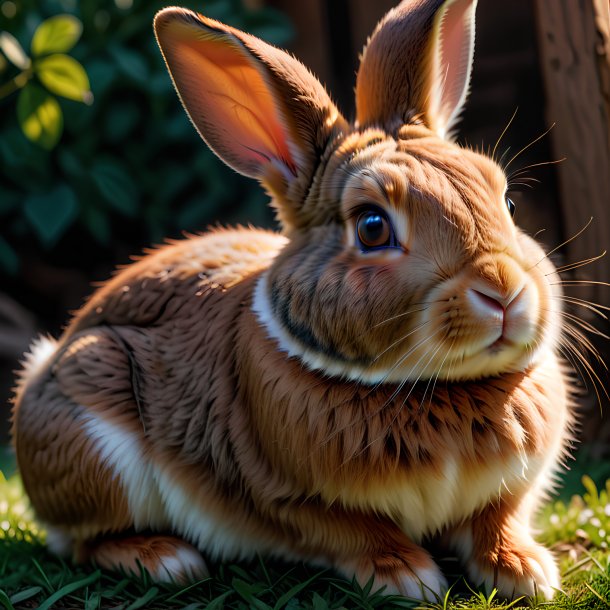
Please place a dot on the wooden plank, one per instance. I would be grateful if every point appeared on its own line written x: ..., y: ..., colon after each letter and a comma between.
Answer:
x: 573, y: 42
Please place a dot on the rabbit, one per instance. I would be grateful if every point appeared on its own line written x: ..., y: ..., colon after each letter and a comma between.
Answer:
x: 382, y: 373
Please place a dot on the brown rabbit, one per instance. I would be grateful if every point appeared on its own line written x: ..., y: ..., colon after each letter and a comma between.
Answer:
x: 383, y: 373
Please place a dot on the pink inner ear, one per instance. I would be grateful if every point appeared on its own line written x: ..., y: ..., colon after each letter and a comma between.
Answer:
x: 457, y: 47
x: 228, y: 100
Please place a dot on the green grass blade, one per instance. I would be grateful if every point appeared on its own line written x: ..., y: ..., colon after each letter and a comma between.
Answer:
x: 319, y: 603
x: 5, y: 601
x: 249, y: 592
x: 25, y: 594
x: 47, y: 582
x: 94, y: 602
x: 70, y: 588
x: 185, y: 589
x: 143, y: 602
x: 218, y: 603
x: 284, y: 599
x: 117, y: 589
x: 602, y: 599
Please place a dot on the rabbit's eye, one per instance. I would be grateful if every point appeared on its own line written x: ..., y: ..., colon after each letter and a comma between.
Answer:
x: 511, y: 206
x: 374, y: 230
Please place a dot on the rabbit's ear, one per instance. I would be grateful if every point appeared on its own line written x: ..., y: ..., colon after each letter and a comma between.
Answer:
x: 417, y: 63
x: 258, y: 108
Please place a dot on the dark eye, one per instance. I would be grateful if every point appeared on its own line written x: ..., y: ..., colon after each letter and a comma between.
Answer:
x: 374, y: 230
x: 511, y: 206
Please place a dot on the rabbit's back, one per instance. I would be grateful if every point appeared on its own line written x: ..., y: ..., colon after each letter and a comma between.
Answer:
x: 141, y: 360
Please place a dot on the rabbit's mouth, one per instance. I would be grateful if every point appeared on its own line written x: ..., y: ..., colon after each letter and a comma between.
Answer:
x: 490, y: 328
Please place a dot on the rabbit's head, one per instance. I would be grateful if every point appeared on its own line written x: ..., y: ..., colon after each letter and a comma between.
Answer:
x: 403, y: 261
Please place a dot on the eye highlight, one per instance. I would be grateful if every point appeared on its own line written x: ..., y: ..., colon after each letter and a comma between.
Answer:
x: 374, y: 230
x: 511, y: 206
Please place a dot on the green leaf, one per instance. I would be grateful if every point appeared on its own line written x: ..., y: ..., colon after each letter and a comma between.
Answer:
x: 116, y: 186
x: 70, y: 162
x: 63, y: 75
x: 9, y: 200
x: 40, y: 116
x: 131, y: 63
x: 98, y: 224
x: 56, y: 35
x: 52, y: 213
x: 120, y: 119
x: 14, y: 51
x: 17, y: 151
x: 270, y: 25
x: 102, y: 75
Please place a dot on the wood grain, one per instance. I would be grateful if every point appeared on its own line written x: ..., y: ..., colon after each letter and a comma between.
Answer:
x: 573, y: 41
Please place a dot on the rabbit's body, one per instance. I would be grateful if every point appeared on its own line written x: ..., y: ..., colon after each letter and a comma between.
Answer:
x: 385, y: 374
x: 248, y: 463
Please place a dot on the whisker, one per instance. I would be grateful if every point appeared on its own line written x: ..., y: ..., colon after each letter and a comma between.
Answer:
x: 394, y: 394
x: 567, y: 352
x: 512, y: 118
x: 528, y: 146
x: 574, y: 333
x: 438, y: 373
x: 423, y: 398
x: 564, y: 243
x: 387, y: 349
x: 395, y: 416
x: 592, y: 374
x: 522, y: 176
x: 538, y: 165
x: 576, y: 283
x: 583, y: 324
x: 594, y: 307
x: 402, y: 359
x: 576, y: 265
x: 524, y: 184
x: 400, y: 315
x: 538, y: 232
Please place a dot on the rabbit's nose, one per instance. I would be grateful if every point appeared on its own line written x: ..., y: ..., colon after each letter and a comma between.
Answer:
x: 489, y: 301
x: 488, y: 309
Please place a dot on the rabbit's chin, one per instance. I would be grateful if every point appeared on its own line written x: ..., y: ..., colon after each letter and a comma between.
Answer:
x: 497, y: 358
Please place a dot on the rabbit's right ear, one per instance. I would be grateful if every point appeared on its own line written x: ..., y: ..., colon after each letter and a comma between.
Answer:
x: 417, y: 63
x: 258, y: 108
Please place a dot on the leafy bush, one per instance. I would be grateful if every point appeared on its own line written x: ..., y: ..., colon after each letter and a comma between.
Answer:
x: 129, y: 168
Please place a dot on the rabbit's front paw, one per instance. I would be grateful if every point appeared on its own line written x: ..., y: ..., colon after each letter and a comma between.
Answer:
x: 421, y: 579
x: 529, y: 570
x: 166, y: 558
x: 426, y: 584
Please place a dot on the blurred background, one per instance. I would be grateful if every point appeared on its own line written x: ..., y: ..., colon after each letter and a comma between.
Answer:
x: 98, y: 160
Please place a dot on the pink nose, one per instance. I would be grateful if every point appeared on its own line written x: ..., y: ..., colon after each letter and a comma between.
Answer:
x: 489, y: 302
x: 483, y: 301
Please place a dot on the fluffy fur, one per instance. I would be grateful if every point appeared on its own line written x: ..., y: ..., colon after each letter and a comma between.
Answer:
x: 245, y: 392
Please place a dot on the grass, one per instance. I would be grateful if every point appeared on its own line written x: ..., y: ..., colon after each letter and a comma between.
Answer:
x: 30, y: 577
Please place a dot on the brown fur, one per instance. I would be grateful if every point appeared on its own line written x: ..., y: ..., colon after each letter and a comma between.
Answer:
x: 397, y: 418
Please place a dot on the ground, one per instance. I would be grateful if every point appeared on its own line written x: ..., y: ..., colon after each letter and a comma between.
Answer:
x: 578, y: 531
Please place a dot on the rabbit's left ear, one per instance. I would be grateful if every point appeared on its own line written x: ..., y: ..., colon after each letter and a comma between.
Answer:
x: 418, y: 63
x: 259, y: 109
